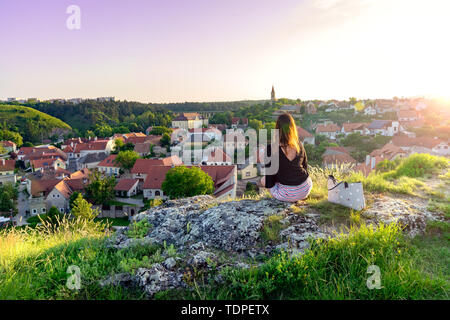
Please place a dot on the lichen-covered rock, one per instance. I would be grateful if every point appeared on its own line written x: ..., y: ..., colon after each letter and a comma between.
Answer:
x: 230, y: 226
x: 157, y: 278
x: 410, y: 213
x: 201, y: 259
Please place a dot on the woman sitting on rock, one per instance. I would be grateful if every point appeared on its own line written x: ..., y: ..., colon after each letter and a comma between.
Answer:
x: 292, y: 182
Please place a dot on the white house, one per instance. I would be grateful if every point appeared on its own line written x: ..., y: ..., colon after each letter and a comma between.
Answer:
x: 384, y: 127
x: 109, y: 166
x: 330, y: 130
x: 370, y: 111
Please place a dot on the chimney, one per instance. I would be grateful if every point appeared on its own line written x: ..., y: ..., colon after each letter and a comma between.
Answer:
x: 373, y: 163
x: 367, y: 160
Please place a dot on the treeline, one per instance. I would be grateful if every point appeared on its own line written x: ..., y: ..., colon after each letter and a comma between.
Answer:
x: 102, y: 118
x: 208, y: 106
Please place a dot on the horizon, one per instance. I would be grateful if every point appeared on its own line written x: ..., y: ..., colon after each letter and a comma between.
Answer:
x: 175, y: 52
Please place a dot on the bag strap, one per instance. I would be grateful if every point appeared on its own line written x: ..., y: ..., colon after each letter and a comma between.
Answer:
x: 344, y: 182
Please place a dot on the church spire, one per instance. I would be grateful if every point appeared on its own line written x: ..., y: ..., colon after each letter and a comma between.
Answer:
x: 272, y: 95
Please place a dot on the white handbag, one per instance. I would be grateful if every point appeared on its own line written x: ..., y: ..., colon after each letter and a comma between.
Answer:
x: 349, y: 195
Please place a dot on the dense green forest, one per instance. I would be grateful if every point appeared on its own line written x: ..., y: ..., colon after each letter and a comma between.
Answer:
x: 32, y: 124
x: 93, y: 117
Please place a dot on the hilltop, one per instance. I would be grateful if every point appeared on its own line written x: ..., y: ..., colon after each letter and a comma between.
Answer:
x: 255, y: 247
x: 32, y: 124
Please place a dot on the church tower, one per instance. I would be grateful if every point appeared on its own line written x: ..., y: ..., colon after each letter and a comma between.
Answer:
x: 272, y: 95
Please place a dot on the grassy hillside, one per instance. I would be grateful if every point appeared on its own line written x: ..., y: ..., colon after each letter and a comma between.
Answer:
x: 30, y: 123
x: 34, y: 262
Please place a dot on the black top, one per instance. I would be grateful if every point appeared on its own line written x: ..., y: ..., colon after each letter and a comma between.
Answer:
x: 290, y: 173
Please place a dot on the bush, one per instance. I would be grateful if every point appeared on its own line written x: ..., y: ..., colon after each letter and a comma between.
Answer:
x: 138, y: 229
x: 184, y: 182
x: 420, y: 164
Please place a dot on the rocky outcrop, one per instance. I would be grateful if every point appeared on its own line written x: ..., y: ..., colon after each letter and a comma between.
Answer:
x: 411, y: 213
x: 200, y: 226
x: 204, y: 231
x: 201, y: 222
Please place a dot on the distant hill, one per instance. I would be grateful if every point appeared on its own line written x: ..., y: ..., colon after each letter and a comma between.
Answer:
x: 32, y: 124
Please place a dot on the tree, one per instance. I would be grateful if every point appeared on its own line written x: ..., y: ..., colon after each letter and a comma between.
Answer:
x: 2, y: 149
x: 53, y: 216
x: 158, y: 130
x: 83, y: 209
x: 126, y: 159
x: 255, y: 124
x: 359, y: 106
x: 72, y: 198
x: 187, y: 182
x: 12, y: 136
x: 118, y: 144
x: 7, y: 195
x: 103, y: 130
x: 100, y: 189
x: 165, y: 140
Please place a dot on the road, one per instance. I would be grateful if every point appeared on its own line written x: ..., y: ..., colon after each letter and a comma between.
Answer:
x: 22, y: 207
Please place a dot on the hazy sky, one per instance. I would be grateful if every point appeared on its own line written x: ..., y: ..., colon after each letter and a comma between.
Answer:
x: 216, y: 50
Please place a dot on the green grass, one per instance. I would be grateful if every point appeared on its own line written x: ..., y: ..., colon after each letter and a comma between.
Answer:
x: 120, y: 203
x: 18, y: 116
x: 34, y: 262
x: 271, y: 228
x: 337, y: 269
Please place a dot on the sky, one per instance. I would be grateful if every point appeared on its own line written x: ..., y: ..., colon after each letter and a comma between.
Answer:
x: 224, y: 50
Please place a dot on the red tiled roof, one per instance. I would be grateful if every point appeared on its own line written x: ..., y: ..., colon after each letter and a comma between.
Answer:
x: 302, y: 133
x: 221, y: 192
x: 187, y: 116
x: 64, y: 189
x: 155, y: 177
x: 328, y: 128
x: 109, y: 162
x: 76, y: 184
x: 45, y: 186
x: 43, y: 163
x: 338, y: 158
x: 80, y: 174
x: 125, y: 184
x: 7, y: 165
x: 68, y: 149
x: 144, y: 165
x: 217, y: 155
x: 350, y: 127
x: 339, y: 149
x: 407, y: 114
x: 427, y: 142
x: 92, y: 145
x: 7, y: 143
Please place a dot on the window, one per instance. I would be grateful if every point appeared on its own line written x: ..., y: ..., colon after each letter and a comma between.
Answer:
x: 157, y: 193
x: 43, y: 210
x: 61, y: 210
x: 247, y: 174
x: 34, y: 211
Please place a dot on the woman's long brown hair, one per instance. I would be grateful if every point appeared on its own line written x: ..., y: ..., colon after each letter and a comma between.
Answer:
x: 288, y: 131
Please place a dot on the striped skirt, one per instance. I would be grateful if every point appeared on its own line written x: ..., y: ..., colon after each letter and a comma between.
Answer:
x: 291, y: 193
